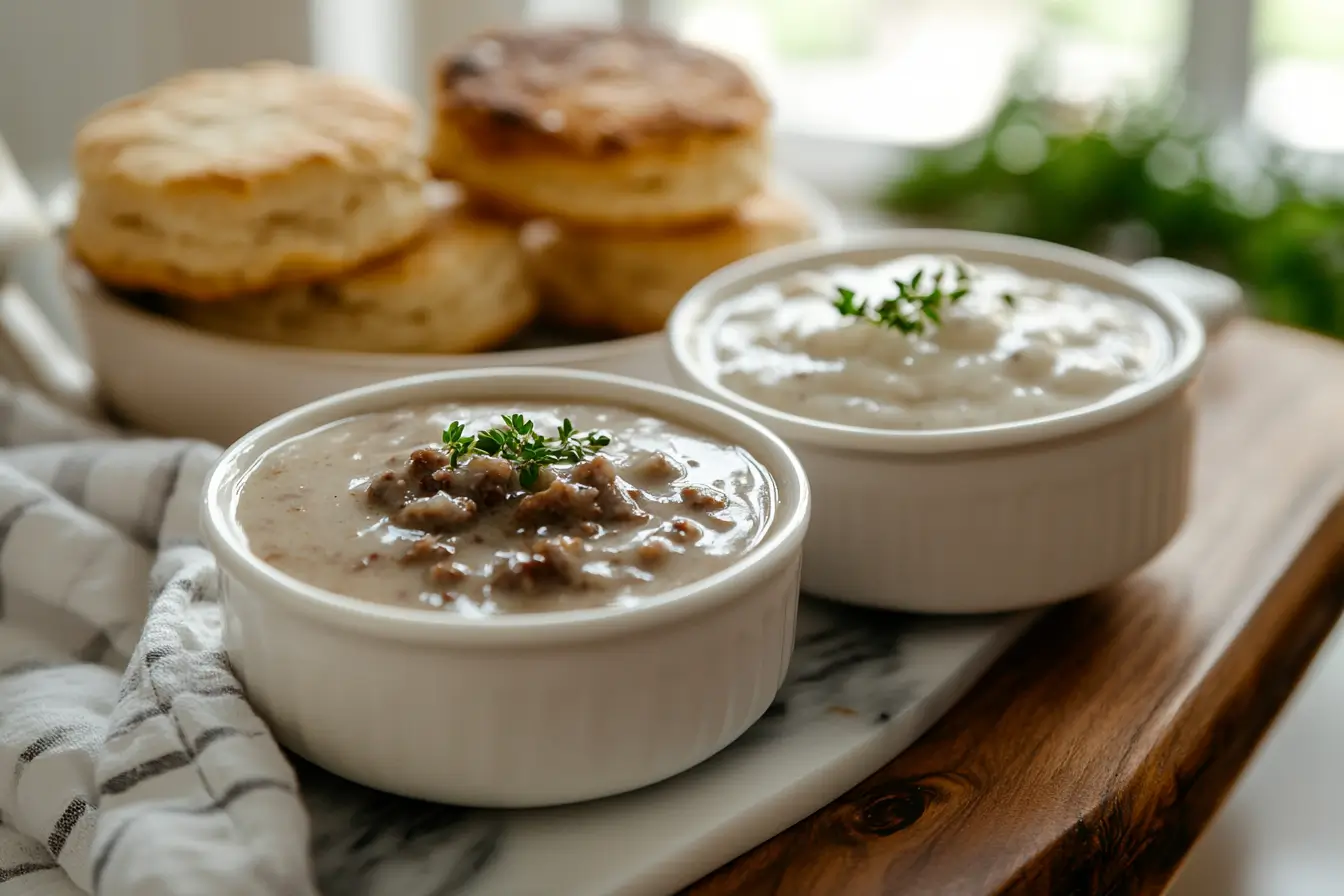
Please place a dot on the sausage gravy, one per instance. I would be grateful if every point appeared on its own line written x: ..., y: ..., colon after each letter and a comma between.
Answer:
x: 373, y: 507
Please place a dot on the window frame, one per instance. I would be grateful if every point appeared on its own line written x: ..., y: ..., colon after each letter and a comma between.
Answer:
x: 172, y: 35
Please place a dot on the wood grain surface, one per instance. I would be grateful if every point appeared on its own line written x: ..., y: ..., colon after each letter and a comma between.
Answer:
x: 1092, y: 755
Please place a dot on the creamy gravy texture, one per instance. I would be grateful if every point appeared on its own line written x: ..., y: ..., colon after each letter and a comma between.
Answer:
x: 1053, y: 347
x: 370, y: 507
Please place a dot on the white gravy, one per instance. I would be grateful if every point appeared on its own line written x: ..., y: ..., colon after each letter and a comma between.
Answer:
x: 1055, y: 347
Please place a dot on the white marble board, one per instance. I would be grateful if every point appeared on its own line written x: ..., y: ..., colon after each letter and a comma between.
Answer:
x: 863, y: 685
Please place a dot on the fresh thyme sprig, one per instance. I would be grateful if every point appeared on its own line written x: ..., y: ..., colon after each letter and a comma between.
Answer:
x: 918, y: 301
x: 519, y: 442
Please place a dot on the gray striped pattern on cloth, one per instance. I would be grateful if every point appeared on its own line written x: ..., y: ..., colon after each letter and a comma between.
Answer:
x: 129, y: 761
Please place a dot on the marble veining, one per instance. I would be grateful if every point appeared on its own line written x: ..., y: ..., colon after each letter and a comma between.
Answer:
x: 862, y: 686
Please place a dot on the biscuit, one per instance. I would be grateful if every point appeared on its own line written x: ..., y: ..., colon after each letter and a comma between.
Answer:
x: 600, y: 127
x: 225, y: 181
x: 461, y: 288
x: 628, y: 281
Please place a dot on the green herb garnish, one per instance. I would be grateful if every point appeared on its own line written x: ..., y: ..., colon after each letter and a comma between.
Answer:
x: 518, y: 442
x: 918, y: 301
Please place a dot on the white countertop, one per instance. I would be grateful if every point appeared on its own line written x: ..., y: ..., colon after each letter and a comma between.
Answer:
x: 1281, y: 833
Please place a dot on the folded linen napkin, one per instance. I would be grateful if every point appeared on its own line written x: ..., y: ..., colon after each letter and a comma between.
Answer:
x: 21, y: 221
x: 129, y: 761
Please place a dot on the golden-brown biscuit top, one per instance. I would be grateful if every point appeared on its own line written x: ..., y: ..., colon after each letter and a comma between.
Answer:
x: 231, y: 128
x: 594, y: 91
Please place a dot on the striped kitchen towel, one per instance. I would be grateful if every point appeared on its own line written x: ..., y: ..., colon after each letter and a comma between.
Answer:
x: 129, y: 761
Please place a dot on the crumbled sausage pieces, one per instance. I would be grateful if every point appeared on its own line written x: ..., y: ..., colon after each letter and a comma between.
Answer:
x: 559, y: 502
x: 552, y: 562
x: 387, y: 489
x: 598, y: 472
x: 446, y: 572
x: 613, y: 497
x: 683, y: 531
x: 424, y: 463
x: 653, y: 551
x: 657, y: 467
x: 426, y: 550
x: 486, y: 480
x: 437, y: 513
x: 593, y: 492
x: 703, y: 498
x: 428, y: 494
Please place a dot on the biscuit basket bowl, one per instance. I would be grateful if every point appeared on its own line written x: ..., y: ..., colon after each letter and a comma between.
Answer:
x: 162, y: 376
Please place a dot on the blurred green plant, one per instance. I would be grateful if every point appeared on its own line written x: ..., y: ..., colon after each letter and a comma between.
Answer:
x: 1134, y: 180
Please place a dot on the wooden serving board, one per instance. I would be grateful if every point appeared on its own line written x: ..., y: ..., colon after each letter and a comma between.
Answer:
x: 1093, y: 753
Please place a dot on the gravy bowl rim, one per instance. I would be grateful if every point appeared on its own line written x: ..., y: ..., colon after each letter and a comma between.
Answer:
x: 690, y: 349
x: 781, y: 540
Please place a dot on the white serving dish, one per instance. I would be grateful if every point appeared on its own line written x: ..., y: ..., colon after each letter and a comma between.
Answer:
x: 522, y: 710
x: 162, y: 376
x: 993, y: 518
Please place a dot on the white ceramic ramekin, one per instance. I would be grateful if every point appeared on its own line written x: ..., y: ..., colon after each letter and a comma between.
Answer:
x: 992, y: 518
x: 522, y: 710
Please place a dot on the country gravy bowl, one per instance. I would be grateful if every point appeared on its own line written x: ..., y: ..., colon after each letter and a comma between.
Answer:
x: 988, y: 423
x: 509, y: 587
